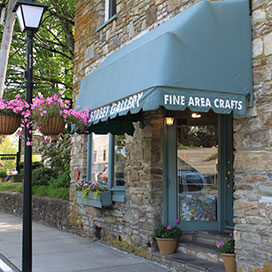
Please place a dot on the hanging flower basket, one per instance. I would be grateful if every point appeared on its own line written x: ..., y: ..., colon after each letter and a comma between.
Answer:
x: 53, y: 126
x: 49, y: 115
x: 103, y: 199
x: 9, y: 123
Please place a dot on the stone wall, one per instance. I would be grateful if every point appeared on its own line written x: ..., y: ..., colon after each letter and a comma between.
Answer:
x: 48, y: 211
x: 253, y: 156
x: 130, y: 225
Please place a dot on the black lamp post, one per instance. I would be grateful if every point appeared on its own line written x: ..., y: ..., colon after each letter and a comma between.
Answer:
x: 29, y: 14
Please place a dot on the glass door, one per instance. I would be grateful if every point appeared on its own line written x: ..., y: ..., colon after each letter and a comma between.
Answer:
x: 197, y: 176
x: 198, y: 173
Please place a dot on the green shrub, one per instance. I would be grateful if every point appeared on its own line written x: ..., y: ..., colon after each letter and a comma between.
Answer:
x: 62, y: 180
x: 35, y: 165
x: 40, y: 190
x: 3, y: 174
x: 42, y: 176
x: 62, y: 193
x: 18, y: 178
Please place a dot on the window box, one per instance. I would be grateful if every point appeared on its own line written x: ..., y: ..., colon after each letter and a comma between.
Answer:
x: 102, y: 200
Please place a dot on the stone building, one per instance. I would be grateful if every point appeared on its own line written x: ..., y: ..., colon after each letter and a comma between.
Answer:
x: 206, y: 65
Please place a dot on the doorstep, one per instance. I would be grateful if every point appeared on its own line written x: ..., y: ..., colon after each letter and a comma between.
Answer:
x: 185, y: 263
x: 196, y: 253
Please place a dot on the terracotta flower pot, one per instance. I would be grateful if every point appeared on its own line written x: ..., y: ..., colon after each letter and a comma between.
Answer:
x: 9, y: 123
x: 54, y: 126
x: 167, y: 245
x: 229, y: 262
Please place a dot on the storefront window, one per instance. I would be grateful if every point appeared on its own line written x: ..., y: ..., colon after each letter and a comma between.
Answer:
x: 120, y: 157
x: 100, y: 147
x: 197, y: 158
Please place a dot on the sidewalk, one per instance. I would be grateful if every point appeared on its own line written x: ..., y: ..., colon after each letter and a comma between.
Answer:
x: 58, y: 251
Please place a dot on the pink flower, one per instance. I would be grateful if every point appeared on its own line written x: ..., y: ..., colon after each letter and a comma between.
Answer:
x: 169, y: 227
x: 218, y: 245
x: 177, y: 221
x: 29, y: 143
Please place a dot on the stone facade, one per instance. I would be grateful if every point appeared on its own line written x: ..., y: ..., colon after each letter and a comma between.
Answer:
x: 131, y: 224
x: 253, y: 156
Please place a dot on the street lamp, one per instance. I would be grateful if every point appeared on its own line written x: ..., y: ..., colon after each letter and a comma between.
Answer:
x: 29, y: 14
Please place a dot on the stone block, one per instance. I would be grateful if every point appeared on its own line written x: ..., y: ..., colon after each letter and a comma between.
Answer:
x: 258, y: 16
x: 151, y: 15
x: 172, y: 5
x: 265, y: 189
x: 89, y: 53
x: 255, y: 178
x: 267, y: 44
x: 256, y: 161
x: 245, y: 228
x: 256, y: 220
x: 257, y: 47
x: 241, y: 204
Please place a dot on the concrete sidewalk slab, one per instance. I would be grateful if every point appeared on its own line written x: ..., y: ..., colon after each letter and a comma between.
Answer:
x: 58, y: 251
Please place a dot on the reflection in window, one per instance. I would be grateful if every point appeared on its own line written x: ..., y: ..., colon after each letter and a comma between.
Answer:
x: 197, y: 156
x: 110, y: 9
x: 119, y: 160
x: 100, y: 147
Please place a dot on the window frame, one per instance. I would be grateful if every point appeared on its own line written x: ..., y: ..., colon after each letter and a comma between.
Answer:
x: 118, y: 192
x: 110, y: 13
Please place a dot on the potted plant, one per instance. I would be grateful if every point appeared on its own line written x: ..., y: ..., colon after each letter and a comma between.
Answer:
x: 11, y: 113
x: 93, y: 194
x: 50, y: 114
x: 167, y: 237
x: 226, y: 249
x: 3, y: 175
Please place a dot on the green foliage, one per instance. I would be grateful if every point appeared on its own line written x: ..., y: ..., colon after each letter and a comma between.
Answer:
x: 226, y: 247
x: 41, y: 190
x: 3, y: 174
x: 18, y: 178
x: 8, y: 147
x: 42, y: 176
x: 62, y: 180
x: 35, y: 165
x: 57, y: 153
x: 11, y: 187
x: 53, y: 54
x: 45, y: 191
x: 62, y: 193
x: 167, y: 232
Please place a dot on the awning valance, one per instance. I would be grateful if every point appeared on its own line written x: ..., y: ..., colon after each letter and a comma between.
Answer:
x: 200, y: 59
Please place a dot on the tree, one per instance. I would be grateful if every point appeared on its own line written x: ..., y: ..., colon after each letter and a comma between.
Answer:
x: 6, y: 41
x: 53, y: 53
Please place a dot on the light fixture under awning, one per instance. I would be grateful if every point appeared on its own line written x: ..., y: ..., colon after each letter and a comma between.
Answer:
x: 200, y: 59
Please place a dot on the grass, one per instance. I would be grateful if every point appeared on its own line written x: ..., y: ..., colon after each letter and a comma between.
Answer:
x: 61, y: 193
x: 11, y: 187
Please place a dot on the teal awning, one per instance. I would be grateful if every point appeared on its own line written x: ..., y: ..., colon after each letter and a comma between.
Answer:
x: 200, y: 59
